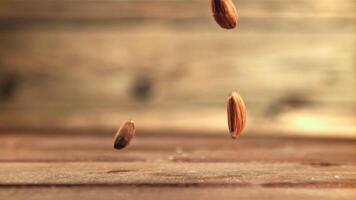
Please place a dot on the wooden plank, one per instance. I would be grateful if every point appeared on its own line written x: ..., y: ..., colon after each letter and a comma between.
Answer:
x: 91, y: 193
x: 51, y: 92
x: 179, y: 174
x: 175, y: 148
x: 116, y: 9
x: 273, y: 15
x: 107, y: 77
x: 209, y: 166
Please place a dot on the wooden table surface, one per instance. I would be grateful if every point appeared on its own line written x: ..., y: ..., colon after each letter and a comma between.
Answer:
x: 65, y: 165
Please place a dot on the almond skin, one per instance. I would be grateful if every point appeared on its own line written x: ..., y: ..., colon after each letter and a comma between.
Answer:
x: 224, y: 13
x: 236, y: 114
x: 124, y: 135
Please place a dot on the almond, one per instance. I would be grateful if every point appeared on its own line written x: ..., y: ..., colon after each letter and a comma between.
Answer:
x: 224, y: 13
x: 124, y: 135
x: 236, y: 114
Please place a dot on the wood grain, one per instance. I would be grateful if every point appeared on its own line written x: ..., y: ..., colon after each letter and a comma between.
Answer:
x: 109, y: 193
x: 183, y: 165
x: 163, y: 9
x: 175, y: 147
x: 177, y: 174
x: 87, y: 95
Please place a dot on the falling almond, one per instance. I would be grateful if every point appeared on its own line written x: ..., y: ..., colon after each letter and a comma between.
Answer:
x: 236, y: 114
x: 124, y: 135
x: 224, y: 13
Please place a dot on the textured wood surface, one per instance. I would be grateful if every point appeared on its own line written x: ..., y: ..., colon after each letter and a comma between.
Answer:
x: 156, y: 166
x: 162, y: 9
x: 176, y: 193
x: 80, y: 64
x: 186, y: 147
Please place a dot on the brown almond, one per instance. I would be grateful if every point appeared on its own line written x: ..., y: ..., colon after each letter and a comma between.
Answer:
x: 224, y: 12
x: 124, y: 135
x: 236, y: 114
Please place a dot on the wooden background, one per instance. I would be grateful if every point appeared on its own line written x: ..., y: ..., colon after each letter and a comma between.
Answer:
x: 90, y: 64
x: 72, y: 70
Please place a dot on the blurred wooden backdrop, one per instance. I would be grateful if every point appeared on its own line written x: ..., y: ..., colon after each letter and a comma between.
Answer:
x: 82, y: 64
